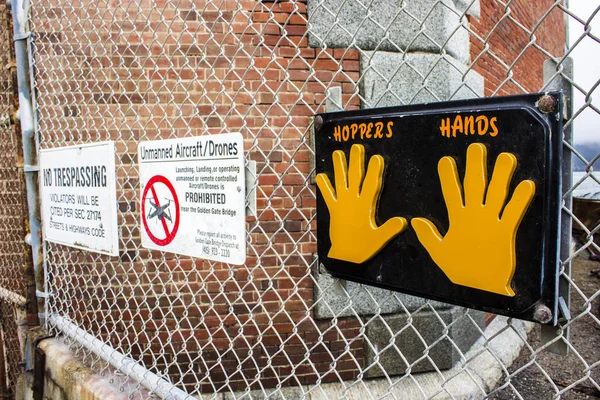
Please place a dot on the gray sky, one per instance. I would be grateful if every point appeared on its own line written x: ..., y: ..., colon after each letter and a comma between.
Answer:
x: 586, y: 69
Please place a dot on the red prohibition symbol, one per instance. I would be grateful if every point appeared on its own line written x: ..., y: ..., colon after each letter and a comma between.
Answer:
x: 160, y: 212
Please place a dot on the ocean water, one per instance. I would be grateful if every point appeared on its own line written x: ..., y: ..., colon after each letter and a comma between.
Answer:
x: 588, y: 187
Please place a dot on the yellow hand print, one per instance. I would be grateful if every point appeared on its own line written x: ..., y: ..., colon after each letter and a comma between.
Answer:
x: 354, y: 235
x: 479, y: 249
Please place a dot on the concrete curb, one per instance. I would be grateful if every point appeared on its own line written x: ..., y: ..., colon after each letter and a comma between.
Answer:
x: 485, y: 362
x: 482, y: 372
x: 68, y: 377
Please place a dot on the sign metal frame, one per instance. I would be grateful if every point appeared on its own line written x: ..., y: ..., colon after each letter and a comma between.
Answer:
x: 413, y: 149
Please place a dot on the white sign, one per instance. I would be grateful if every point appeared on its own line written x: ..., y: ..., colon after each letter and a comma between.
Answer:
x: 193, y: 196
x: 79, y: 200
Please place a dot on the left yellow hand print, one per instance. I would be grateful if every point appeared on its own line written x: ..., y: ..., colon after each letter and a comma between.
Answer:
x: 354, y: 234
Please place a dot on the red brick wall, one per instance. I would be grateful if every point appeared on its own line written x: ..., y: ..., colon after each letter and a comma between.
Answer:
x: 147, y: 82
x: 503, y: 47
x: 207, y: 68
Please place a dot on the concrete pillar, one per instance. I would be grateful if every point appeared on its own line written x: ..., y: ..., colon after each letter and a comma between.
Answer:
x: 412, y: 51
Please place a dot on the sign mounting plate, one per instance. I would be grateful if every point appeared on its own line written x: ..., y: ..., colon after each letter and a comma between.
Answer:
x: 454, y: 201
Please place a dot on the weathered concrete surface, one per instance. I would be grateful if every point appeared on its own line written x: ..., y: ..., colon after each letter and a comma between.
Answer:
x: 428, y: 336
x: 485, y: 369
x: 332, y: 300
x: 432, y: 26
x: 67, y: 377
x: 393, y: 79
x: 469, y: 7
x: 335, y: 298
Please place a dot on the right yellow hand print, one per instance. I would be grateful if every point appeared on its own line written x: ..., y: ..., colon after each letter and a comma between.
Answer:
x: 478, y: 250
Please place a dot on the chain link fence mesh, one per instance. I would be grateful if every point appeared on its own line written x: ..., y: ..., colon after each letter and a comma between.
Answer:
x: 15, y: 255
x: 14, y: 252
x: 12, y: 196
x: 275, y: 326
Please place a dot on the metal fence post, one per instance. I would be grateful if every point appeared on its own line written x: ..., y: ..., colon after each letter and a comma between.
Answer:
x: 20, y: 11
x: 558, y: 76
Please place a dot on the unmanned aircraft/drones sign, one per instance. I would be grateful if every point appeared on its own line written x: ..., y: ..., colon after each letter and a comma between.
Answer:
x: 193, y: 196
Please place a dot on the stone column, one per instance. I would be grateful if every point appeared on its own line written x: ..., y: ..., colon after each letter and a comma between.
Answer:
x: 412, y: 51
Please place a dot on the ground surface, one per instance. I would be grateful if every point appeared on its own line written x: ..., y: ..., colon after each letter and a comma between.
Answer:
x: 546, y: 375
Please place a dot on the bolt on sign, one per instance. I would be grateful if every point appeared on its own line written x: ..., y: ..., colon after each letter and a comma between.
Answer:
x: 454, y: 201
x: 193, y: 196
x: 78, y: 196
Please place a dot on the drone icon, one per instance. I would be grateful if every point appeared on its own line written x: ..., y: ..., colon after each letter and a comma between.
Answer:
x: 159, y: 212
x: 165, y: 212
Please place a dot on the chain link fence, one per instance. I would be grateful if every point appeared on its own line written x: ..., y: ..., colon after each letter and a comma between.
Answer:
x: 15, y: 255
x: 277, y: 326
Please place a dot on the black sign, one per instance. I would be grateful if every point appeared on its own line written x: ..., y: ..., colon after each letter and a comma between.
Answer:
x: 455, y: 201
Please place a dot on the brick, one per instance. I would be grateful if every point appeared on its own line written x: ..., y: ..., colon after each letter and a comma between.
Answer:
x: 209, y: 70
